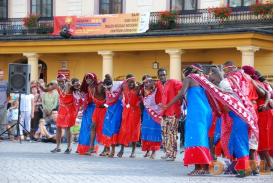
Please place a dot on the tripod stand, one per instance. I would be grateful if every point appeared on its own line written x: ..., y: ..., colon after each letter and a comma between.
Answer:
x: 17, y: 123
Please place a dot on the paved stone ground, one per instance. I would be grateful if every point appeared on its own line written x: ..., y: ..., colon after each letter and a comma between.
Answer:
x: 32, y: 162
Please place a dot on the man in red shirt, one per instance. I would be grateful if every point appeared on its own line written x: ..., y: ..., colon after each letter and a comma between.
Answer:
x: 168, y: 90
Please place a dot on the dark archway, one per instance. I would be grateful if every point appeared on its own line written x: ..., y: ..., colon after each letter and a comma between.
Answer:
x: 42, y: 67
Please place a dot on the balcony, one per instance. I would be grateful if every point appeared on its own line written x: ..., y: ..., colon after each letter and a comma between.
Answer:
x: 201, y: 19
x: 195, y: 20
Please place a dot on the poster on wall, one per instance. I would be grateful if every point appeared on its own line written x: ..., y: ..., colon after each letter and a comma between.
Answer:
x: 103, y: 24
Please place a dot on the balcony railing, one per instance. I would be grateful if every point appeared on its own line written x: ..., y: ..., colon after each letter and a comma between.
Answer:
x: 16, y: 26
x: 193, y: 20
x: 202, y: 17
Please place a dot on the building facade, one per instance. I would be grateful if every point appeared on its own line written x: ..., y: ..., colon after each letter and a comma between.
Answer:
x: 243, y: 38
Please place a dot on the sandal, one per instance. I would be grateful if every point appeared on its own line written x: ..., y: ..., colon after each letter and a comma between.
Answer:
x: 67, y: 151
x: 132, y: 155
x: 111, y: 155
x: 55, y: 150
x: 153, y: 156
x: 104, y: 153
x: 90, y: 152
x: 147, y: 154
x: 120, y: 154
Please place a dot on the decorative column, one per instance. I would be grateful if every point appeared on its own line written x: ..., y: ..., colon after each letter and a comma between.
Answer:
x: 248, y: 54
x: 107, y: 62
x: 33, y: 61
x: 175, y: 63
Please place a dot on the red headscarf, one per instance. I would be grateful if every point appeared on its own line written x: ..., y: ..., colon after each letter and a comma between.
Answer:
x: 84, y: 85
x: 61, y: 77
x: 250, y: 71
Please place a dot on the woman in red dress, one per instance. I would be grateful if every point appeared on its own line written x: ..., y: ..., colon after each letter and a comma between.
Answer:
x: 96, y: 91
x: 131, y: 116
x: 69, y: 102
x: 265, y: 123
x: 261, y: 103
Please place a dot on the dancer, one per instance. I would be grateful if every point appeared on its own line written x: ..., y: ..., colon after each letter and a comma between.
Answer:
x: 234, y: 132
x: 198, y: 122
x: 247, y: 91
x: 69, y: 100
x: 265, y: 118
x: 113, y: 115
x: 97, y: 91
x: 169, y: 89
x: 86, y: 124
x: 131, y: 116
x: 151, y: 118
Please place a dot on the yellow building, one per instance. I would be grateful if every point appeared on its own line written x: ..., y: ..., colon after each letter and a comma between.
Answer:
x: 243, y: 38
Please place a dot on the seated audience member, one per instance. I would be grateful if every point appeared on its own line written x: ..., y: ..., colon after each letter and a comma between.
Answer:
x: 47, y: 129
x: 49, y: 101
x: 12, y: 117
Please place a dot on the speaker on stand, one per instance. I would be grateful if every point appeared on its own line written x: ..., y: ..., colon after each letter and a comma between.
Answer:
x: 19, y: 82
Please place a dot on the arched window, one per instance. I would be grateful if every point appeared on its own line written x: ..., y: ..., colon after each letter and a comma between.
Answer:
x: 240, y: 3
x: 110, y: 6
x: 184, y: 5
x: 3, y: 9
x: 44, y: 8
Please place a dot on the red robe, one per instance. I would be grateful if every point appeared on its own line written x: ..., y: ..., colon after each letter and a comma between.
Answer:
x: 131, y: 118
x: 265, y: 126
x: 67, y: 110
x: 98, y: 119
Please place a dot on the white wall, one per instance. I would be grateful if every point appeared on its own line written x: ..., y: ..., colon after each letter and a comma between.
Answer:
x: 18, y: 8
x: 204, y: 4
x: 60, y: 7
x: 74, y: 7
x: 145, y: 5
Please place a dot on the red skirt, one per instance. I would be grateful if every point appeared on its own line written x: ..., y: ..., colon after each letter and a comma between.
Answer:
x: 114, y: 139
x: 66, y: 116
x: 150, y: 146
x: 197, y: 155
x: 265, y: 130
x: 83, y: 149
x: 98, y: 120
x: 130, y: 126
x: 242, y: 163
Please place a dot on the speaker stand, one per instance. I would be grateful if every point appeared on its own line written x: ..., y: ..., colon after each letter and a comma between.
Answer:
x: 17, y: 123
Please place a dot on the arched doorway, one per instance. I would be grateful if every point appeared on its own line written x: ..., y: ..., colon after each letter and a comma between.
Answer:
x: 42, y: 68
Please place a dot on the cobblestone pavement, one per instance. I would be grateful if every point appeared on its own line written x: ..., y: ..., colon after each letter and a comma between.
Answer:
x: 32, y: 162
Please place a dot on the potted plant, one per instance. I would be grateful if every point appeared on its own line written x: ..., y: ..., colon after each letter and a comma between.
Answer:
x: 31, y: 22
x: 168, y: 19
x: 221, y: 13
x: 262, y: 9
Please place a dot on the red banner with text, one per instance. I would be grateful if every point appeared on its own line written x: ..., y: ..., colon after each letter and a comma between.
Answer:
x: 103, y: 24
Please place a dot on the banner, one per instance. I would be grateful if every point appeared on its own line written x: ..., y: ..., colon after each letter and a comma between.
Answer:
x: 103, y: 24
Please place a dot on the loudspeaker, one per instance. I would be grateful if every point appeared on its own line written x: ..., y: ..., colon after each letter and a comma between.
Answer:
x: 19, y: 78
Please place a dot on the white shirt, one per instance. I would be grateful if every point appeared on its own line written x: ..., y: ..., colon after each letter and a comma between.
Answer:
x: 26, y: 102
x: 225, y: 86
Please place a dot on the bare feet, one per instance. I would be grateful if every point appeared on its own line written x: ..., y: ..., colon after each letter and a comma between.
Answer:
x: 153, y: 156
x: 104, y: 153
x: 111, y: 155
x: 147, y: 154
x: 90, y: 152
x: 132, y: 155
